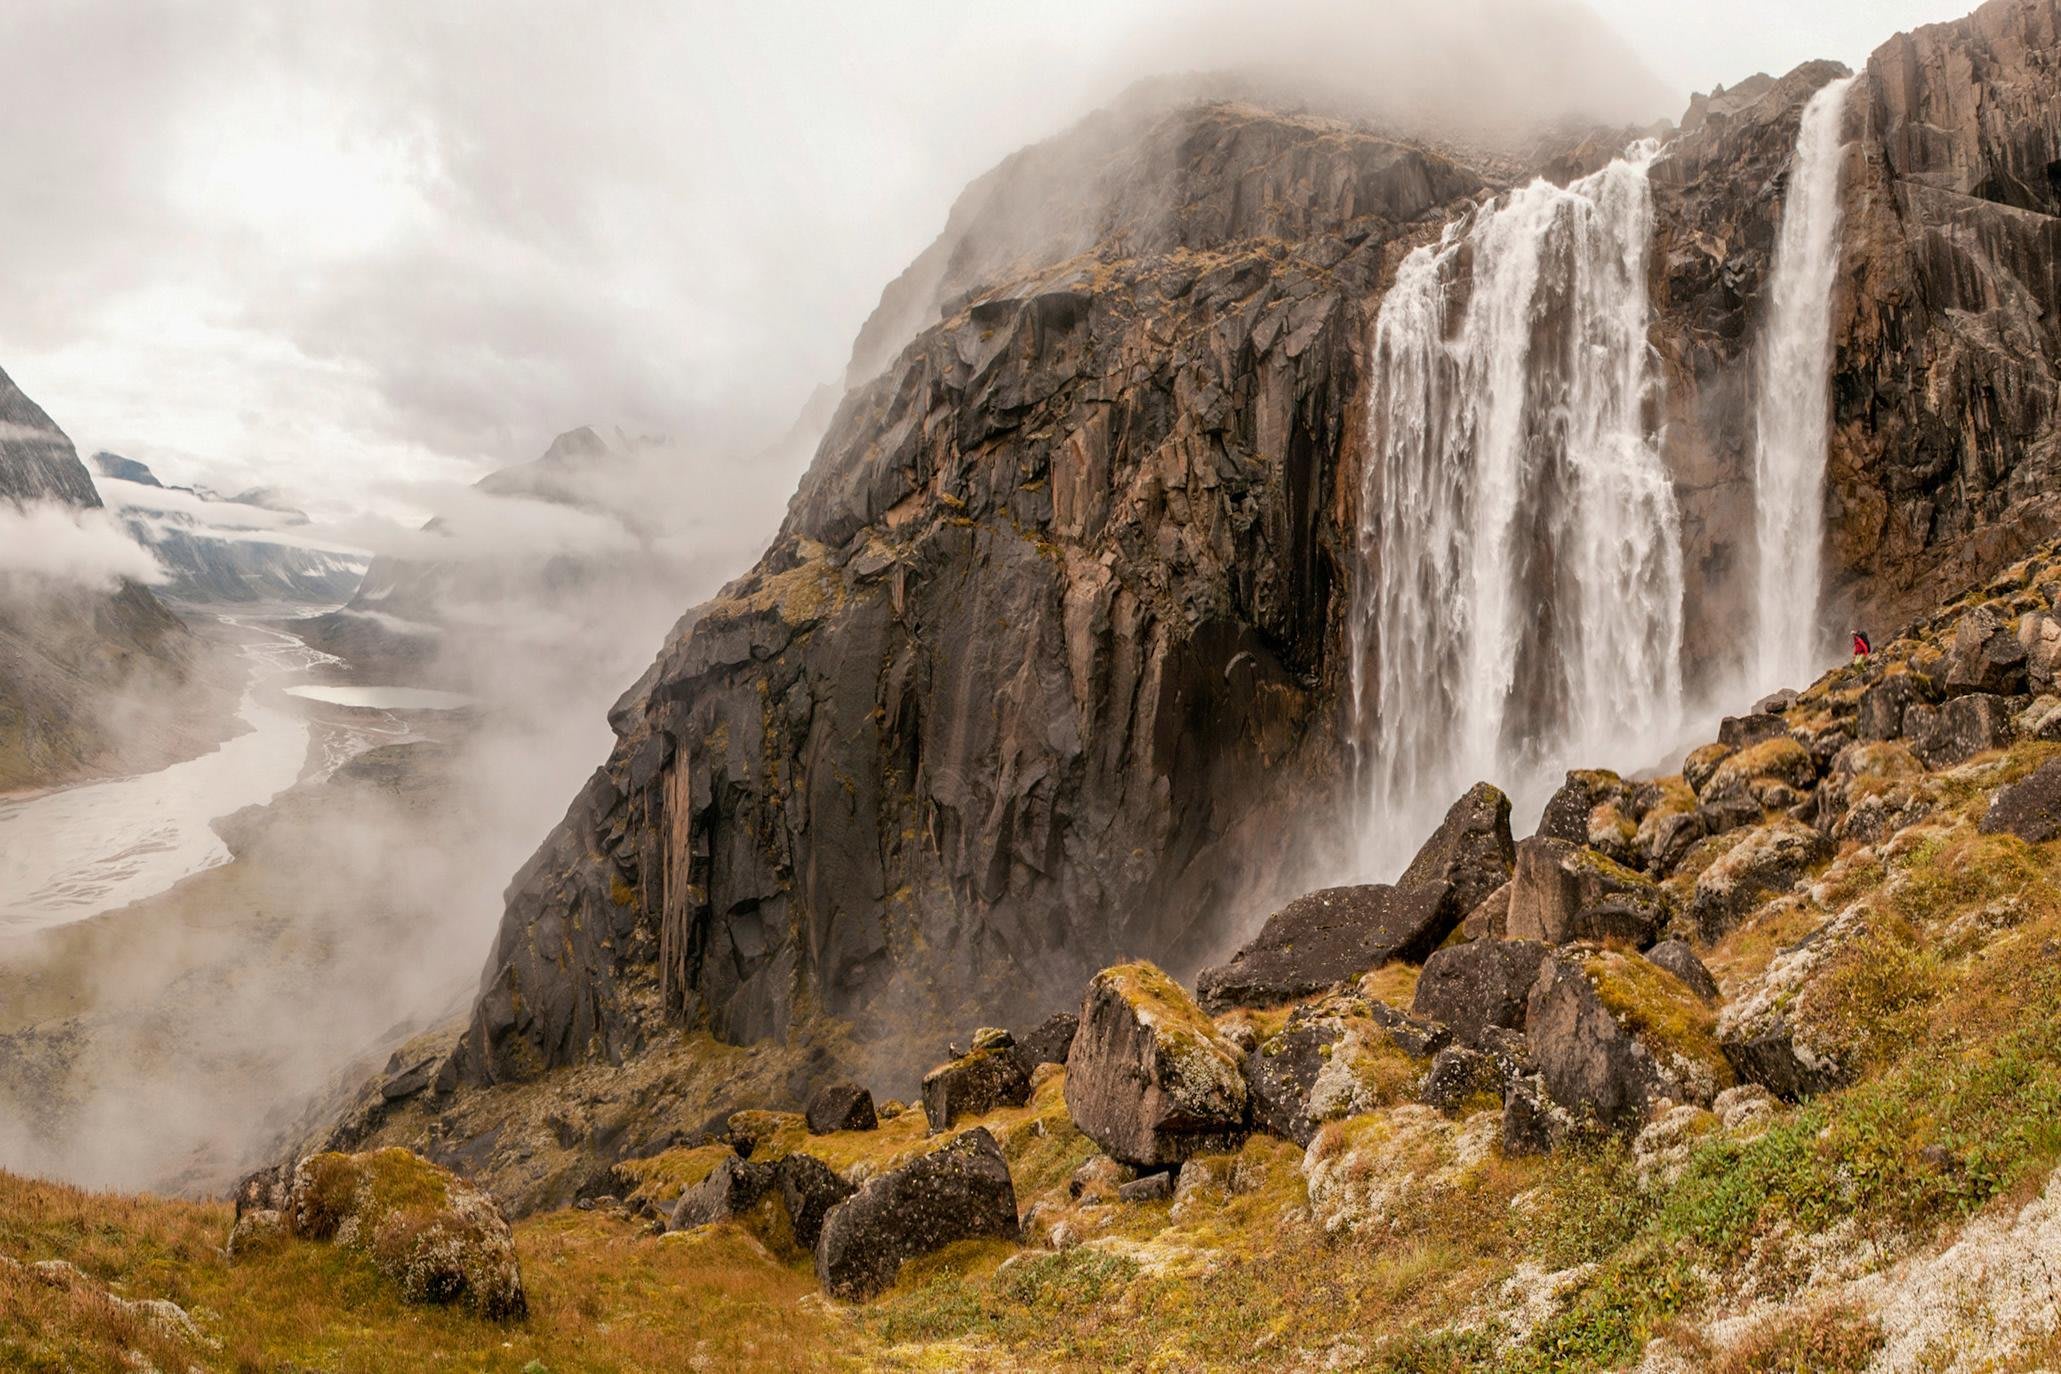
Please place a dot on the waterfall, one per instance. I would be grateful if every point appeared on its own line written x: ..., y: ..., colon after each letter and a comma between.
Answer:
x: 1794, y: 410
x: 1518, y: 604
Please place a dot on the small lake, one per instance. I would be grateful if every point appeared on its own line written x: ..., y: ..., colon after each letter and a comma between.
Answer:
x: 383, y: 698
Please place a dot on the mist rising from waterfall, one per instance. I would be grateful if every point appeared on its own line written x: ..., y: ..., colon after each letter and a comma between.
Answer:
x: 1518, y: 608
x: 1794, y: 410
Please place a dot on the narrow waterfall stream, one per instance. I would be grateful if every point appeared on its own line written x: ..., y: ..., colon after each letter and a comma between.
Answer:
x: 1794, y: 411
x: 1518, y: 608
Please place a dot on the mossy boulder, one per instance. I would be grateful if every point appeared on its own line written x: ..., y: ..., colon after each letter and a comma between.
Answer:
x: 1781, y: 760
x: 1958, y: 730
x: 440, y: 1239
x: 1767, y: 862
x: 1611, y: 1034
x: 1469, y: 855
x: 2031, y: 809
x: 1472, y: 987
x: 1326, y: 938
x: 960, y: 1191
x: 1567, y: 813
x: 1148, y: 1077
x: 973, y: 1085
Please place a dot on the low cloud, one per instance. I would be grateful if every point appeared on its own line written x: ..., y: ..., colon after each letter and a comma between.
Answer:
x: 59, y: 543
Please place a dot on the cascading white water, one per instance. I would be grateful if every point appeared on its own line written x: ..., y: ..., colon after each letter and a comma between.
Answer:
x: 1518, y: 607
x: 1794, y: 410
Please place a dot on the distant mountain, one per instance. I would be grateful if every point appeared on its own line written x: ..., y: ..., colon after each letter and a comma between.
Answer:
x: 229, y: 559
x: 91, y: 680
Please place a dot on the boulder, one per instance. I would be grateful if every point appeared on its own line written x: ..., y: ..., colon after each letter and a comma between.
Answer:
x: 2031, y: 809
x: 1415, y: 1036
x: 2040, y: 633
x: 1767, y: 862
x: 1533, y: 1123
x: 1776, y: 702
x: 1702, y: 765
x: 437, y: 1237
x: 809, y: 1188
x: 1282, y: 1071
x: 1149, y: 1078
x: 974, y: 1084
x: 1049, y: 1042
x: 841, y: 1106
x: 1678, y: 958
x: 1883, y: 706
x: 1610, y: 1034
x: 1469, y: 988
x: 1986, y: 657
x: 1743, y: 732
x: 1326, y: 938
x: 1151, y: 1188
x: 958, y: 1191
x: 1470, y: 853
x: 731, y: 1189
x: 1960, y: 729
x: 267, y: 1190
x: 1564, y: 892
x: 1567, y: 812
x: 1780, y: 760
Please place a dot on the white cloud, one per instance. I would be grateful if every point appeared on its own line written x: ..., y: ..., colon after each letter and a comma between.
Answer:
x: 60, y: 543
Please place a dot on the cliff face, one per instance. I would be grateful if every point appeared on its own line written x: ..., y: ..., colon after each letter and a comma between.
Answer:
x: 90, y: 680
x: 1039, y: 650
x: 1045, y: 666
x: 1944, y: 463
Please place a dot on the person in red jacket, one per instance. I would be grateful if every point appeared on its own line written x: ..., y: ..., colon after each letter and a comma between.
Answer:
x: 1861, y: 647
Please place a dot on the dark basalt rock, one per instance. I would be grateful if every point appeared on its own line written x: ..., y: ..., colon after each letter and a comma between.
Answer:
x: 1324, y: 939
x: 809, y: 1188
x: 733, y: 1188
x: 1678, y: 958
x: 1743, y: 732
x: 972, y: 1085
x: 1596, y: 1062
x: 841, y: 1107
x: 1564, y: 892
x: 1470, y: 853
x: 1049, y: 1043
x: 1883, y: 706
x: 2031, y: 809
x: 959, y: 1191
x: 1151, y: 1188
x: 1472, y: 987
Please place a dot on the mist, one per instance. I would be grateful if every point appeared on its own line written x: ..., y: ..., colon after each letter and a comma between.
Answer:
x: 53, y: 542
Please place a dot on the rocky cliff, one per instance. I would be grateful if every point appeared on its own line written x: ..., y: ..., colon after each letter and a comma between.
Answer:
x: 1044, y: 667
x: 91, y: 680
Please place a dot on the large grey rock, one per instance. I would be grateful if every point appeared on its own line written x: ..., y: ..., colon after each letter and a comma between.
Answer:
x: 1769, y: 1056
x: 1986, y: 657
x: 1472, y: 987
x: 1960, y: 728
x: 1149, y: 1079
x: 973, y: 1084
x: 1470, y: 853
x: 1326, y: 938
x: 1564, y: 892
x: 2030, y: 809
x: 959, y: 1191
x: 1281, y: 1072
x: 2040, y: 633
x: 1884, y: 704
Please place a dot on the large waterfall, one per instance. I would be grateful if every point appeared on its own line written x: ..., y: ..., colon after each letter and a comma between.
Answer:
x: 1795, y: 405
x: 1519, y: 600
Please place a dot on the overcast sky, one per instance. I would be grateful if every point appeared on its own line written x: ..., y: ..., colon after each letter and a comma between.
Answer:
x: 408, y: 242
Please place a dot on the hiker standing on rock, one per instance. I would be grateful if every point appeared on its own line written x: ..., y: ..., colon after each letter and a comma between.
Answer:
x: 1861, y: 647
